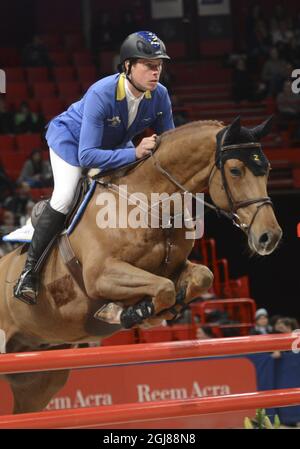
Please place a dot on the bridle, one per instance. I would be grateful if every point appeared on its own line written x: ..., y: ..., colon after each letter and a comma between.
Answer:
x: 233, y: 205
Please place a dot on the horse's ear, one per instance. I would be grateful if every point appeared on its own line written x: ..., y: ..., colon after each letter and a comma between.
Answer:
x: 263, y: 130
x: 234, y: 129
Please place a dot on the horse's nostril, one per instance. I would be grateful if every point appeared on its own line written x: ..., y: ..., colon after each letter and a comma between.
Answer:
x: 264, y: 238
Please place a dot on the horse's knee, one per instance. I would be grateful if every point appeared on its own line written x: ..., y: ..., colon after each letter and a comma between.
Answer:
x: 166, y: 293
x: 207, y: 278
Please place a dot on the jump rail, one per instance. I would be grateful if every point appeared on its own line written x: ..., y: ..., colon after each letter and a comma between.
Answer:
x: 153, y: 411
x: 142, y: 353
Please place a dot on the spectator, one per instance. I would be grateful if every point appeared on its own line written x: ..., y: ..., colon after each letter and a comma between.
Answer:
x: 36, y: 172
x: 286, y: 325
x: 241, y: 82
x: 17, y: 203
x: 6, y: 122
x: 24, y: 218
x: 288, y: 105
x: 26, y: 121
x: 35, y: 54
x: 8, y: 223
x: 274, y: 72
x: 261, y: 323
x: 204, y: 332
x: 281, y: 32
x: 6, y: 184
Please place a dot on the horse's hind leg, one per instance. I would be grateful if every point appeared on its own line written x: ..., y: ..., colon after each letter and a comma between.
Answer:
x: 33, y: 391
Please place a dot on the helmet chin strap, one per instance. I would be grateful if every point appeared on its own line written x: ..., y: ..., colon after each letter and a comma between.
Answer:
x: 127, y: 73
x: 134, y: 85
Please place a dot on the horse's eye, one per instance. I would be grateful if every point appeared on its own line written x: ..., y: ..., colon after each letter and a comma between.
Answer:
x: 235, y: 171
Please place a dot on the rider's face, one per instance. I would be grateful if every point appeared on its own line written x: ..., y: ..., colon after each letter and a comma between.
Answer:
x: 146, y: 72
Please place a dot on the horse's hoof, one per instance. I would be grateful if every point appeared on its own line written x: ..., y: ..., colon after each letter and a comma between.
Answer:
x: 136, y: 314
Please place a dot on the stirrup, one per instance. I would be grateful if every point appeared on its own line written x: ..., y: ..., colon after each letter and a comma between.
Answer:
x: 22, y: 292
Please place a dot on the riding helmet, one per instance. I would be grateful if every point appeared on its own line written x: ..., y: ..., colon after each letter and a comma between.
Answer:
x: 143, y: 44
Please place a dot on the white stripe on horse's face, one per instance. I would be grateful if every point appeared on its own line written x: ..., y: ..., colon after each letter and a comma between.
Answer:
x: 2, y: 342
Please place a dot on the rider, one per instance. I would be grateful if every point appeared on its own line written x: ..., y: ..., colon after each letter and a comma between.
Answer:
x: 96, y: 132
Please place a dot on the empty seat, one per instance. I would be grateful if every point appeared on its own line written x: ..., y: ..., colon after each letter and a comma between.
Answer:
x: 87, y: 73
x: 62, y: 74
x: 124, y: 337
x: 69, y: 89
x: 74, y: 41
x: 156, y: 334
x: 16, y: 91
x: 52, y: 41
x: 10, y: 57
x: 51, y: 106
x: 82, y: 58
x: 7, y: 143
x: 27, y: 142
x: 37, y: 74
x: 41, y: 193
x: 85, y: 85
x: 13, y: 165
x: 14, y: 74
x: 44, y: 90
x: 59, y: 58
x: 106, y: 61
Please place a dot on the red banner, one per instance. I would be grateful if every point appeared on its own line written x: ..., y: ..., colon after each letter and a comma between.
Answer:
x: 154, y: 382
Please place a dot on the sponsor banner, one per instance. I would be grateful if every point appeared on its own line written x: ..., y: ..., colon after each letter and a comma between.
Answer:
x: 156, y: 382
x: 213, y: 7
x: 166, y: 9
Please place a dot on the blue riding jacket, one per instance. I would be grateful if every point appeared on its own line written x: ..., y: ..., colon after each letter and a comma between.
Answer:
x: 93, y: 132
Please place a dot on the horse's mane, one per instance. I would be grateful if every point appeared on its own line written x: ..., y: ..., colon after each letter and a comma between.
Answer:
x: 196, y: 124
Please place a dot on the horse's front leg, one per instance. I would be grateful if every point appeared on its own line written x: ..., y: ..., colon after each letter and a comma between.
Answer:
x: 121, y: 282
x: 192, y: 281
x: 196, y: 279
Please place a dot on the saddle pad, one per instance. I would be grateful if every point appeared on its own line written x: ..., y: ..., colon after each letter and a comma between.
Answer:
x: 24, y: 234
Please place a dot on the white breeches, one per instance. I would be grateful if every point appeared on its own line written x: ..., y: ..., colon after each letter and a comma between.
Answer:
x: 66, y: 178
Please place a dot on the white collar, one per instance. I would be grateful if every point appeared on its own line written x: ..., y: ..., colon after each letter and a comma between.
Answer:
x: 130, y: 95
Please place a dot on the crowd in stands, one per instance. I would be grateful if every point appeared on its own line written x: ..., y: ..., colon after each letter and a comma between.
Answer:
x: 263, y: 69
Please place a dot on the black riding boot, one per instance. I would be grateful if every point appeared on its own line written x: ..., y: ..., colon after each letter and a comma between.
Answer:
x: 49, y: 225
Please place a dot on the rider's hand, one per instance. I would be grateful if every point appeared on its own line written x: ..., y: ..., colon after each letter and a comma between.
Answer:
x: 145, y: 146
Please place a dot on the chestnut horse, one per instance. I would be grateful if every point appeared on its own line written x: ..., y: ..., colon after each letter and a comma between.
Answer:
x: 143, y: 272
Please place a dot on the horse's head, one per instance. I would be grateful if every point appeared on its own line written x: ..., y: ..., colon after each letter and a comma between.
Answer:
x: 238, y: 184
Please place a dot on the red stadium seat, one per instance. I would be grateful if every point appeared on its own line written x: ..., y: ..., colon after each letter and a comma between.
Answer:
x: 155, y: 334
x: 124, y: 337
x: 85, y: 85
x: 10, y: 57
x: 82, y: 58
x: 74, y: 41
x: 13, y: 165
x: 17, y: 91
x: 52, y: 41
x: 44, y: 90
x: 37, y: 74
x: 52, y: 106
x: 14, y: 74
x: 62, y: 74
x: 59, y: 58
x: 27, y: 142
x: 106, y: 59
x: 7, y: 143
x: 39, y: 194
x: 87, y: 73
x: 69, y: 89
